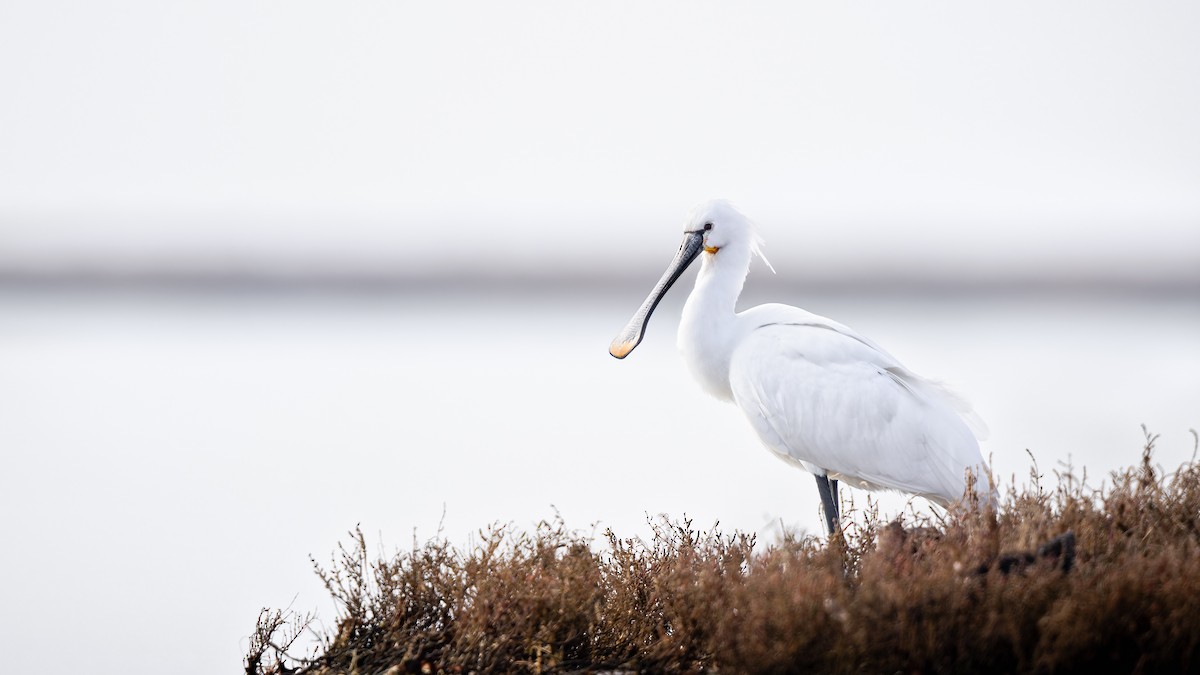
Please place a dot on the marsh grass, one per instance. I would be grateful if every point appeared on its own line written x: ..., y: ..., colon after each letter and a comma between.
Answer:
x: 920, y: 594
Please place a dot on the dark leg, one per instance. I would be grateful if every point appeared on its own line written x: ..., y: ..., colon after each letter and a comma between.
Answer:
x: 828, y: 490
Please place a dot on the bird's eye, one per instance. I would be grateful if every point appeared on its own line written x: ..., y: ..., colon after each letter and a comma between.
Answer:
x: 707, y: 226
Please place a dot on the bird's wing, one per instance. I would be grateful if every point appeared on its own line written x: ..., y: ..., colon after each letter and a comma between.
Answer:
x: 818, y: 395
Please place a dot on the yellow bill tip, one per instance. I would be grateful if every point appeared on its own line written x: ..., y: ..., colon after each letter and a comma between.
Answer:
x: 621, y: 349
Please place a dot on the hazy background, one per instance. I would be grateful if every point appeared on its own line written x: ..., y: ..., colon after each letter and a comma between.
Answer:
x: 272, y: 269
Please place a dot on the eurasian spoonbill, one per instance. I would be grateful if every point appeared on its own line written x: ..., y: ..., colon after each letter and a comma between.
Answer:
x: 818, y: 394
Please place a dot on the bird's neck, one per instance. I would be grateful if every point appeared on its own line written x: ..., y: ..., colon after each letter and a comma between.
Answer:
x: 722, y: 275
x: 707, y: 329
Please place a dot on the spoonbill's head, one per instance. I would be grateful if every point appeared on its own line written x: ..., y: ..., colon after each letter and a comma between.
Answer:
x: 709, y: 228
x: 719, y: 225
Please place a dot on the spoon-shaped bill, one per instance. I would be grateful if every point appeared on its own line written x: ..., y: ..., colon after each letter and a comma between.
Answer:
x: 631, y: 335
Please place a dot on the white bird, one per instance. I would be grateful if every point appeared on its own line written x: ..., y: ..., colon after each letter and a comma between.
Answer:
x: 818, y: 394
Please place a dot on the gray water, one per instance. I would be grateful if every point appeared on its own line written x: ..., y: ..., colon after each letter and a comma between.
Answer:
x: 171, y: 459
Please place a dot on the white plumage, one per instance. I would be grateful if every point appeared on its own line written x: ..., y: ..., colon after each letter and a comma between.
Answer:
x: 818, y: 394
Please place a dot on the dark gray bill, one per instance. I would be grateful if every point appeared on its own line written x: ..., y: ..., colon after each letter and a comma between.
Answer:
x: 631, y: 335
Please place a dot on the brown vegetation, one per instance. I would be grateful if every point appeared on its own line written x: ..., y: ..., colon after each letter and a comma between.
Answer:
x: 923, y: 595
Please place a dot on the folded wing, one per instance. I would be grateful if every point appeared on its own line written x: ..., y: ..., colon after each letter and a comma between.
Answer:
x: 822, y: 396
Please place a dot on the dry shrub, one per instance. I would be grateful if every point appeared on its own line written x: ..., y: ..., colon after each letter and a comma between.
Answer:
x: 963, y: 592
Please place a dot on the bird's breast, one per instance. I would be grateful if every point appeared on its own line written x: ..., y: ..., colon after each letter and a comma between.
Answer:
x: 706, y: 348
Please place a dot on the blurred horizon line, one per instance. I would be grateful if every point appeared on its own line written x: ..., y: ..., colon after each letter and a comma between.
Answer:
x: 495, y: 282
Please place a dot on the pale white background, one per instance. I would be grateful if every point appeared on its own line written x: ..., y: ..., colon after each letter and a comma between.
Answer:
x: 458, y: 205
x: 985, y: 138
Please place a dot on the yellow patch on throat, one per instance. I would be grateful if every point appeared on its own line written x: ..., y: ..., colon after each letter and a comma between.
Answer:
x: 711, y: 249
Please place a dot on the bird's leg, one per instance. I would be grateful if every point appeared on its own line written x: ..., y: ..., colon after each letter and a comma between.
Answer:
x: 828, y: 501
x: 837, y: 503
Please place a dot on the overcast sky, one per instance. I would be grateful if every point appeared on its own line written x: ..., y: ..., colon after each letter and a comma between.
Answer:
x: 966, y: 137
